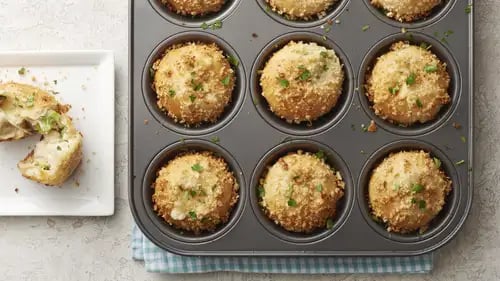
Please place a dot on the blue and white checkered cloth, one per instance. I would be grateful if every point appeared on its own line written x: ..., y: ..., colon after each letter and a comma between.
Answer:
x: 160, y: 261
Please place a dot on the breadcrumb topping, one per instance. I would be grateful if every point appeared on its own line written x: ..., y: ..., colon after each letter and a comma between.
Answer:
x: 406, y: 10
x: 300, y: 192
x: 194, y: 7
x: 301, y: 9
x: 408, y: 190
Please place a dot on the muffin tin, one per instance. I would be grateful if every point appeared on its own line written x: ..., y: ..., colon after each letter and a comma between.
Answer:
x: 250, y: 137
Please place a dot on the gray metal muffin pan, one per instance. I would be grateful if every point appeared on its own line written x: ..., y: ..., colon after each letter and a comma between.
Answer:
x: 251, y: 137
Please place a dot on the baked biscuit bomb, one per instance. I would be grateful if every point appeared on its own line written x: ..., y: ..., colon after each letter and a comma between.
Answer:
x: 406, y: 10
x: 195, y: 192
x: 194, y: 7
x: 302, y: 81
x: 300, y: 192
x: 408, y: 85
x: 408, y: 190
x: 301, y: 9
x: 194, y: 83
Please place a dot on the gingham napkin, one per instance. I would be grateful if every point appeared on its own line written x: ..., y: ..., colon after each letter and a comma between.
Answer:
x: 160, y: 261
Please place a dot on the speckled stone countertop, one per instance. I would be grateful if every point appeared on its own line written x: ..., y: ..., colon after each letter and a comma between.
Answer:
x: 99, y: 248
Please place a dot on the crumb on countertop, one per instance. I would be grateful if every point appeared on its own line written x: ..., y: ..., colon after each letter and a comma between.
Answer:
x: 373, y: 127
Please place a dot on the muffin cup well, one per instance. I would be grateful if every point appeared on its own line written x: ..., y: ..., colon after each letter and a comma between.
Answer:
x: 434, y: 16
x: 444, y: 217
x: 169, y: 153
x: 150, y: 97
x: 331, y: 13
x: 323, y: 123
x: 193, y: 21
x: 441, y: 52
x: 344, y: 206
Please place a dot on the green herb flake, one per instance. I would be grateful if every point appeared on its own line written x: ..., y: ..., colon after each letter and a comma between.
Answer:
x: 216, y: 25
x: 215, y: 139
x: 48, y: 122
x: 411, y: 79
x: 459, y: 163
x: 437, y: 162
x: 319, y: 187
x: 233, y: 61
x: 396, y: 186
x: 59, y: 148
x: 413, y: 201
x: 197, y: 167
x: 55, y: 82
x: 324, y: 54
x: 192, y: 215
x: 320, y: 155
x: 226, y: 80
x: 192, y: 193
x: 30, y: 102
x: 365, y: 28
x: 425, y: 46
x: 329, y: 223
x: 152, y: 72
x: 394, y: 90
x: 430, y: 68
x: 417, y: 188
x: 419, y: 103
x: 292, y: 203
x: 192, y: 98
x: 305, y: 75
x: 463, y: 139
x: 171, y: 93
x: 21, y: 71
x: 422, y: 204
x: 204, y: 26
x: 283, y: 82
x: 261, y: 192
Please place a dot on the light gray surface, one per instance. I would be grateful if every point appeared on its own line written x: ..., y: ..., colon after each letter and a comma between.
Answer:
x: 98, y: 248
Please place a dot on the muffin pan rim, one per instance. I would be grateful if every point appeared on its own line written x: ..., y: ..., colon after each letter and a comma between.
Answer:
x: 452, y: 200
x: 191, y: 22
x: 161, y: 160
x: 454, y: 90
x: 230, y: 111
x: 344, y: 206
x: 330, y: 119
x: 436, y: 14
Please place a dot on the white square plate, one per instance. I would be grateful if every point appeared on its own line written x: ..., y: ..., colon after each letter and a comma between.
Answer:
x: 85, y: 80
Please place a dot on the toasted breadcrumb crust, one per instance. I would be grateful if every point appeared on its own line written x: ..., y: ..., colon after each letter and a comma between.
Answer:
x: 195, y: 192
x: 403, y: 90
x: 194, y: 83
x: 301, y: 192
x: 407, y: 190
x: 302, y: 81
x: 301, y: 9
x: 194, y: 7
x: 406, y: 10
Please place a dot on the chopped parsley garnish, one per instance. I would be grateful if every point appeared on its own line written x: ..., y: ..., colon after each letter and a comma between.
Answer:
x: 152, y: 72
x: 329, y: 223
x: 410, y: 80
x: 305, y: 74
x: 394, y: 90
x: 197, y: 167
x: 216, y: 25
x: 233, y: 60
x: 192, y: 193
x: 59, y: 148
x: 425, y: 46
x: 226, y: 80
x: 204, y: 26
x: 437, y: 162
x: 417, y: 188
x: 283, y: 82
x: 21, y: 71
x: 396, y: 186
x: 55, y: 82
x: 192, y: 98
x: 292, y: 203
x: 461, y: 162
x: 419, y: 103
x: 320, y: 155
x: 413, y: 201
x: 422, y: 204
x: 48, y: 122
x: 430, y: 68
x: 319, y: 187
x: 365, y: 28
x: 30, y: 102
x: 261, y: 191
x: 45, y: 167
x: 324, y: 54
x: 192, y: 215
x: 171, y: 93
x: 463, y: 139
x: 196, y: 86
x: 215, y: 139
